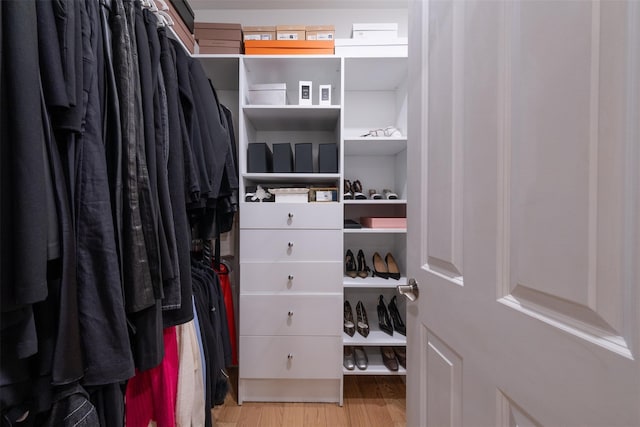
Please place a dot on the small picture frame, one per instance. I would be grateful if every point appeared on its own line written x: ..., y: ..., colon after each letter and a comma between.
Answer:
x: 305, y: 93
x: 324, y: 95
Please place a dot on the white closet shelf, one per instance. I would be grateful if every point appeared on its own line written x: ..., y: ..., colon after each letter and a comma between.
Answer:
x: 376, y: 337
x: 302, y: 178
x: 293, y: 4
x: 293, y: 117
x: 364, y: 230
x: 376, y: 202
x: 374, y: 146
x: 375, y: 365
x: 373, y: 282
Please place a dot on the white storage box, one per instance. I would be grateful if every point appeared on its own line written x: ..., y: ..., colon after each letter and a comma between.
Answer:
x: 372, y: 47
x: 374, y: 31
x: 268, y: 94
x: 290, y: 195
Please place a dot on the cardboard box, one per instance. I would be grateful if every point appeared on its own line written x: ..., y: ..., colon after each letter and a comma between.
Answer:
x: 219, y: 46
x: 290, y: 195
x: 379, y: 222
x: 268, y: 94
x: 288, y: 47
x: 217, y: 31
x: 290, y: 32
x: 182, y: 30
x: 320, y: 32
x: 323, y: 194
x: 185, y: 12
x: 372, y: 47
x: 205, y: 50
x: 259, y: 33
x: 374, y: 30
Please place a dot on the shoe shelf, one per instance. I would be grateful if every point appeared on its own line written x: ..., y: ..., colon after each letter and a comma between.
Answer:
x: 376, y: 337
x: 373, y: 282
x: 375, y: 202
x: 375, y: 230
x: 375, y: 365
x: 374, y: 146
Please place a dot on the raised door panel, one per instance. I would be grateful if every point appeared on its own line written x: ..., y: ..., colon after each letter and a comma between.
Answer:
x: 566, y: 196
x: 291, y: 277
x: 306, y: 315
x: 444, y: 172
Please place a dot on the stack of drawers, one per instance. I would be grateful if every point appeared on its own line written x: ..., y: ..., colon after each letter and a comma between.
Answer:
x: 290, y: 302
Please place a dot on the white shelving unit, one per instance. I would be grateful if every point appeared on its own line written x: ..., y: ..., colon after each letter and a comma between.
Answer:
x: 290, y: 253
x: 303, y: 285
x: 375, y: 97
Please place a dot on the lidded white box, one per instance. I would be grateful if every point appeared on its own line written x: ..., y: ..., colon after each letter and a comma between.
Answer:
x: 372, y: 47
x: 374, y: 30
x: 268, y: 94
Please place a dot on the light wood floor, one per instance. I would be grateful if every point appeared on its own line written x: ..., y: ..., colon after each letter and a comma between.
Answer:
x: 369, y: 401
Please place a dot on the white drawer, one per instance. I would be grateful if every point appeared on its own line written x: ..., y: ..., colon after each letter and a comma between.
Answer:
x: 291, y: 215
x: 291, y: 277
x: 290, y: 357
x: 290, y: 245
x: 306, y: 315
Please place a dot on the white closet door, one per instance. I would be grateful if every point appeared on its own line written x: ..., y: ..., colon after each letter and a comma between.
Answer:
x: 524, y: 213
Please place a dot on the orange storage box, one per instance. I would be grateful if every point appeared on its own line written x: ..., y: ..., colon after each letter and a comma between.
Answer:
x: 288, y: 47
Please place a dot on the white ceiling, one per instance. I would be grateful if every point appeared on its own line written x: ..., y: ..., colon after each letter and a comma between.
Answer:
x: 297, y: 4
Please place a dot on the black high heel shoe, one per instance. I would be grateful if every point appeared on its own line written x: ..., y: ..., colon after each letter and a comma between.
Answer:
x: 392, y: 267
x: 357, y: 190
x: 398, y: 324
x: 363, y: 269
x: 350, y: 268
x: 363, y: 323
x: 348, y: 191
x: 349, y: 327
x: 379, y: 267
x: 383, y: 317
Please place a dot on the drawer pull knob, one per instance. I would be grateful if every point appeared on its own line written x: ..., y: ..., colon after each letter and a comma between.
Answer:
x: 290, y: 277
x: 290, y: 215
x: 290, y: 244
x: 290, y: 356
x: 290, y: 314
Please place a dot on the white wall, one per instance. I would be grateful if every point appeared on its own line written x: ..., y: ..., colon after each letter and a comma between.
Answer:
x: 342, y: 19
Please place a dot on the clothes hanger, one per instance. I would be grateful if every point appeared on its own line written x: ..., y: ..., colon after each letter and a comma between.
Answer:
x: 163, y: 4
x: 164, y: 19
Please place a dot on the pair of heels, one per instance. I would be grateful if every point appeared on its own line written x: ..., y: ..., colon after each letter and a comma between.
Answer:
x: 389, y: 314
x: 355, y: 267
x: 386, y: 194
x: 362, y: 322
x: 394, y: 356
x: 353, y: 190
x: 355, y: 356
x: 385, y: 269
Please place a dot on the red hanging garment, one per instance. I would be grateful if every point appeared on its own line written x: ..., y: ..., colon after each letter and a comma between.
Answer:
x: 151, y: 395
x: 225, y: 285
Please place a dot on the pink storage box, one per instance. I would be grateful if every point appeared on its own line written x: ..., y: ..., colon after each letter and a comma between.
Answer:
x: 376, y: 222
